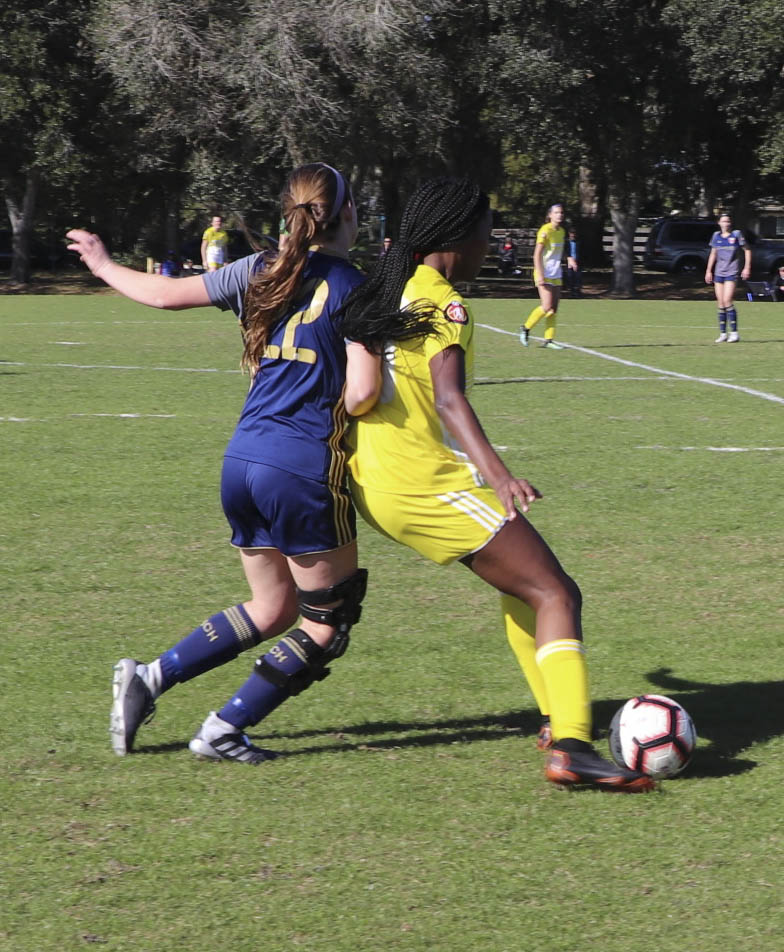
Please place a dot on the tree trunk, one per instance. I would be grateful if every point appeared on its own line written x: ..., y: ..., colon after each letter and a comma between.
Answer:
x: 172, y: 222
x: 21, y: 218
x: 624, y: 220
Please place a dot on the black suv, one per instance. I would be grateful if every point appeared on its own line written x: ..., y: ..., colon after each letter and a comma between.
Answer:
x: 679, y: 244
x: 683, y: 245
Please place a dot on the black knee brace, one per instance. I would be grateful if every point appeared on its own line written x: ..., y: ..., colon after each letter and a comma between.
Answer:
x: 341, y: 617
x: 294, y: 663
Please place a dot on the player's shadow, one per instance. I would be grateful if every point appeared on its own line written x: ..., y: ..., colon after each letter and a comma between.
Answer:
x: 386, y: 735
x: 732, y: 717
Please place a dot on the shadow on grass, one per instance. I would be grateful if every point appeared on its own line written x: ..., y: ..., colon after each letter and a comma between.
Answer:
x: 731, y: 716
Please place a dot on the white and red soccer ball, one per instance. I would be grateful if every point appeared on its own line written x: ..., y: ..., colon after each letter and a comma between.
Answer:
x: 653, y: 734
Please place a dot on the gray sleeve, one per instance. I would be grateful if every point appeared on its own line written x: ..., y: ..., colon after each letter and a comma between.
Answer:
x: 226, y: 287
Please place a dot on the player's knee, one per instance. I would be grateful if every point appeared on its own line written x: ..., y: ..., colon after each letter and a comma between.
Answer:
x: 348, y: 594
x: 572, y: 594
x: 294, y: 663
x: 272, y: 619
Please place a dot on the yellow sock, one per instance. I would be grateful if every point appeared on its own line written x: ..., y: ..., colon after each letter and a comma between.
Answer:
x: 549, y: 333
x: 565, y: 676
x: 534, y: 317
x: 520, y: 624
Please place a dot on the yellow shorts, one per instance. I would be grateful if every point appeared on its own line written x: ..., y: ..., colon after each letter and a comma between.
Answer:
x: 553, y: 282
x: 442, y: 527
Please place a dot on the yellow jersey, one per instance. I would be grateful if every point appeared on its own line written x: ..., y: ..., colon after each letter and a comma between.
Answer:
x: 401, y: 446
x: 552, y: 240
x: 217, y: 244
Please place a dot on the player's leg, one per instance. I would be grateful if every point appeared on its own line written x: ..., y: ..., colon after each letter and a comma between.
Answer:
x: 330, y: 590
x: 315, y: 525
x: 271, y: 609
x: 541, y: 309
x: 518, y: 562
x: 520, y: 625
x: 550, y: 317
x: 732, y: 315
x: 718, y: 288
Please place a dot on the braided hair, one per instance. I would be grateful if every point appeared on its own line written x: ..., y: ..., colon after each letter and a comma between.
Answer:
x: 310, y: 204
x: 440, y: 214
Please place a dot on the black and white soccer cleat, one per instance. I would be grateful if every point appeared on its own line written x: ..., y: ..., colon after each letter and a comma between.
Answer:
x: 218, y: 740
x: 132, y: 705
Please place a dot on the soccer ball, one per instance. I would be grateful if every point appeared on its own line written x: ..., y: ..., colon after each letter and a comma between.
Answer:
x: 653, y: 734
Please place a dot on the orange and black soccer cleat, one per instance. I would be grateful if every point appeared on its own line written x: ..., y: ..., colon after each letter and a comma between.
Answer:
x: 575, y: 763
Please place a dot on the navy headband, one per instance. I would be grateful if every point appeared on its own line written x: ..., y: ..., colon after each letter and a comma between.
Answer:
x: 340, y: 196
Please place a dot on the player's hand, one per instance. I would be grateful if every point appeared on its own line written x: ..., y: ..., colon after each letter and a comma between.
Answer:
x: 90, y: 249
x: 516, y: 489
x: 745, y: 274
x: 708, y: 277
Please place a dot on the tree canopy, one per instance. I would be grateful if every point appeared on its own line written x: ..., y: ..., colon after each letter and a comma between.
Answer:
x: 136, y: 118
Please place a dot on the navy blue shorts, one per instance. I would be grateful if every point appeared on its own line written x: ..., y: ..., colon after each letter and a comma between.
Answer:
x: 271, y: 508
x: 721, y: 278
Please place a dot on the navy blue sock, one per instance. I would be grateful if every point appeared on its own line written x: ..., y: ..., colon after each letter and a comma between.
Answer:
x: 722, y: 320
x: 258, y: 697
x: 732, y: 317
x: 215, y: 641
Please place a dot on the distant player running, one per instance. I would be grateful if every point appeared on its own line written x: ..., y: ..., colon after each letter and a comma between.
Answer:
x: 548, y: 270
x: 423, y: 472
x: 723, y: 269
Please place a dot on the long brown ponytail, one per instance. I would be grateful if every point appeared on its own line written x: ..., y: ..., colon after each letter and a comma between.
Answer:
x: 310, y: 204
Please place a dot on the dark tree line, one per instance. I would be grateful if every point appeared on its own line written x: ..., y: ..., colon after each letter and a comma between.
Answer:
x: 134, y: 116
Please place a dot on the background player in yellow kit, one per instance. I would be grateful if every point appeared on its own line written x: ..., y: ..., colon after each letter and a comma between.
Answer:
x: 424, y: 473
x: 548, y: 254
x: 214, y: 245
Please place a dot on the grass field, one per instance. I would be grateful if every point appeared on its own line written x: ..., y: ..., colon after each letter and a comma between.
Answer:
x: 409, y: 810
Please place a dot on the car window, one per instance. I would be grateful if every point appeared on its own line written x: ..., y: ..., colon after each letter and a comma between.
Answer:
x: 692, y: 232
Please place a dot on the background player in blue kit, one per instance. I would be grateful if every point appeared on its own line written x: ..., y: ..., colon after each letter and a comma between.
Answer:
x: 723, y: 268
x: 283, y: 481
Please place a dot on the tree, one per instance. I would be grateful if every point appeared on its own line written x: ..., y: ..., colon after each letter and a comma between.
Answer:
x: 45, y: 101
x: 740, y: 69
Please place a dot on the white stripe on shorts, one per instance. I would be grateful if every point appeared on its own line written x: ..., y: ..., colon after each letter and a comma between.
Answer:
x: 477, y: 509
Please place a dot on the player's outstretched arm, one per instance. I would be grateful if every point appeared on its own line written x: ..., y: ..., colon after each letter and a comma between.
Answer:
x: 154, y: 290
x: 447, y: 370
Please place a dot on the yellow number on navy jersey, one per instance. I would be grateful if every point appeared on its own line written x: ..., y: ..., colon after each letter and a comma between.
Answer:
x: 288, y: 350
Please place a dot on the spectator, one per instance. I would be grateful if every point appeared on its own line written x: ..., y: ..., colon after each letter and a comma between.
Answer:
x: 574, y: 276
x: 507, y: 257
x: 777, y: 283
x: 386, y: 245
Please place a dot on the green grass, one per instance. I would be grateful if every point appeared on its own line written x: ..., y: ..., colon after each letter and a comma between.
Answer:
x: 409, y: 811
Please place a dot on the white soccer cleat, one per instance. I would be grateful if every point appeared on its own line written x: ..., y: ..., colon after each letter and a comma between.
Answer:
x: 721, y: 338
x: 733, y: 337
x: 216, y: 739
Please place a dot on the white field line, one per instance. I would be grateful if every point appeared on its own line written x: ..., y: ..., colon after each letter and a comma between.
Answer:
x: 113, y: 416
x: 183, y: 370
x: 710, y: 381
x: 717, y: 449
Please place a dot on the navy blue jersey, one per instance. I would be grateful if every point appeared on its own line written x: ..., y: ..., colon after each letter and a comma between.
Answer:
x: 293, y: 417
x: 728, y: 253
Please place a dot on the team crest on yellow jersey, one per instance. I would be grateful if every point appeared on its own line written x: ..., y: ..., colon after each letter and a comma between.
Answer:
x: 456, y: 313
